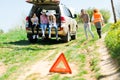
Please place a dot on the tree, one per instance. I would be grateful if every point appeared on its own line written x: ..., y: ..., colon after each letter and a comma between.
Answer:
x: 106, y: 15
x: 114, y: 14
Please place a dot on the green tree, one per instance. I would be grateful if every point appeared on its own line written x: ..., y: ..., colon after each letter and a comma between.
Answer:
x: 90, y: 12
x: 106, y: 15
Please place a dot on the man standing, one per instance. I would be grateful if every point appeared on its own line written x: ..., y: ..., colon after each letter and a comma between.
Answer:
x: 97, y: 19
x: 86, y: 20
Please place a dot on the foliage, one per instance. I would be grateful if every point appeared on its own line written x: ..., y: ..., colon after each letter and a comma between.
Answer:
x: 113, y: 40
x: 1, y: 31
x: 106, y: 14
x: 17, y: 53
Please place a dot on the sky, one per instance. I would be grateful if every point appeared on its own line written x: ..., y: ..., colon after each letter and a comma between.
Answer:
x: 12, y: 12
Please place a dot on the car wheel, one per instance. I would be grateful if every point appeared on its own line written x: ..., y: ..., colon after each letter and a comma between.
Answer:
x: 67, y: 38
x: 73, y: 37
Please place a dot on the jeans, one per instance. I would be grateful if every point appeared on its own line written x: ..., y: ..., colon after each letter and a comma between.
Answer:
x: 56, y: 29
x: 87, y: 26
x: 43, y: 27
x: 98, y: 27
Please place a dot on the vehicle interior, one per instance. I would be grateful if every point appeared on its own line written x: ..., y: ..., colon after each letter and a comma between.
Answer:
x: 37, y: 9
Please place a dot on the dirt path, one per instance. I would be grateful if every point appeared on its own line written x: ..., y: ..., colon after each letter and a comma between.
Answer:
x: 40, y: 69
x: 108, y: 66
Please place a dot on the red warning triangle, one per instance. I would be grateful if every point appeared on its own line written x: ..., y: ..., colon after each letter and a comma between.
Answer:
x: 66, y: 69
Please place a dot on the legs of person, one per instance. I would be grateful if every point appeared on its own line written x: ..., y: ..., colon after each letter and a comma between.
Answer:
x: 99, y: 32
x: 33, y: 31
x: 89, y: 29
x: 42, y: 28
x: 56, y: 31
x: 98, y: 27
x: 85, y: 30
x: 45, y: 26
x: 49, y: 32
x: 37, y: 27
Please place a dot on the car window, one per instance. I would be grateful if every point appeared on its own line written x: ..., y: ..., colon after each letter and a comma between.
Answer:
x: 67, y: 12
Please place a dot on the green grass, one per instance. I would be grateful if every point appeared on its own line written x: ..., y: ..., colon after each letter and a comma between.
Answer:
x: 113, y: 41
x: 16, y: 53
x: 74, y: 56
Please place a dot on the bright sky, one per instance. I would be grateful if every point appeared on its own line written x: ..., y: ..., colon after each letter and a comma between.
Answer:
x: 12, y: 11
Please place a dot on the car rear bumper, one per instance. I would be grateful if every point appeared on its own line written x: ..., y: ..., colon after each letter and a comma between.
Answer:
x: 61, y: 32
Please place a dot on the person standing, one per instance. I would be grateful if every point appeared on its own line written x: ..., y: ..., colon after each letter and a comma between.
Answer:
x: 87, y: 25
x: 43, y: 22
x: 97, y: 19
x: 35, y: 23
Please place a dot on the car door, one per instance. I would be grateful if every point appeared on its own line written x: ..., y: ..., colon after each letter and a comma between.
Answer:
x: 68, y: 14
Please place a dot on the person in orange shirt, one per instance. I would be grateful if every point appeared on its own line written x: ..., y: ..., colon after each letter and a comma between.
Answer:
x: 97, y: 19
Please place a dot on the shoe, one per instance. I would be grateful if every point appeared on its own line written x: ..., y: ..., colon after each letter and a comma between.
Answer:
x: 100, y: 37
x: 33, y: 36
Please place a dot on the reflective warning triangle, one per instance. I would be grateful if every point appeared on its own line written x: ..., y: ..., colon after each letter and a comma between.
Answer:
x: 55, y: 67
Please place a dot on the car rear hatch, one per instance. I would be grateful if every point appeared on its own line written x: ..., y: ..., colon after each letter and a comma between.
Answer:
x: 43, y: 1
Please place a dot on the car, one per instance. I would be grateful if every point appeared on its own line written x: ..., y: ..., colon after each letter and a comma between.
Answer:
x: 67, y: 25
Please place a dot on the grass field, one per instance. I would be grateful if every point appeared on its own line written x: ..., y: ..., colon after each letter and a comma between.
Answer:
x: 17, y: 53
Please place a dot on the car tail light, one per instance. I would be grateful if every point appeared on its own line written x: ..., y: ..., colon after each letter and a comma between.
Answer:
x: 27, y: 18
x: 62, y: 19
x: 27, y: 21
x: 61, y: 28
x: 27, y: 28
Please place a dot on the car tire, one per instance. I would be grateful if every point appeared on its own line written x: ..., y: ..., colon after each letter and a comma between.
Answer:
x: 67, y: 38
x: 73, y: 37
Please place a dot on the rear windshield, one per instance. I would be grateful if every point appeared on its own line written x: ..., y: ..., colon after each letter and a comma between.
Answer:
x: 37, y: 9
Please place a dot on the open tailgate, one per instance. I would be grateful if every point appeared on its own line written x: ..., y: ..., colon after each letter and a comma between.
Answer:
x: 43, y: 1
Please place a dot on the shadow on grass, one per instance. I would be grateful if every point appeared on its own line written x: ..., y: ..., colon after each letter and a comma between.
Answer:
x: 40, y: 42
x: 49, y: 42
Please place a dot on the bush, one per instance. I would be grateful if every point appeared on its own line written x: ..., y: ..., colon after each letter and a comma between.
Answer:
x: 113, y: 40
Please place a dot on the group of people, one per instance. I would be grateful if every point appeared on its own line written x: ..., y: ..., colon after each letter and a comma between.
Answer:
x: 46, y: 18
x: 97, y: 19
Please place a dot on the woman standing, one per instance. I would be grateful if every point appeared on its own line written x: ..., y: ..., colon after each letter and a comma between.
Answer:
x: 86, y: 20
x: 97, y: 19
